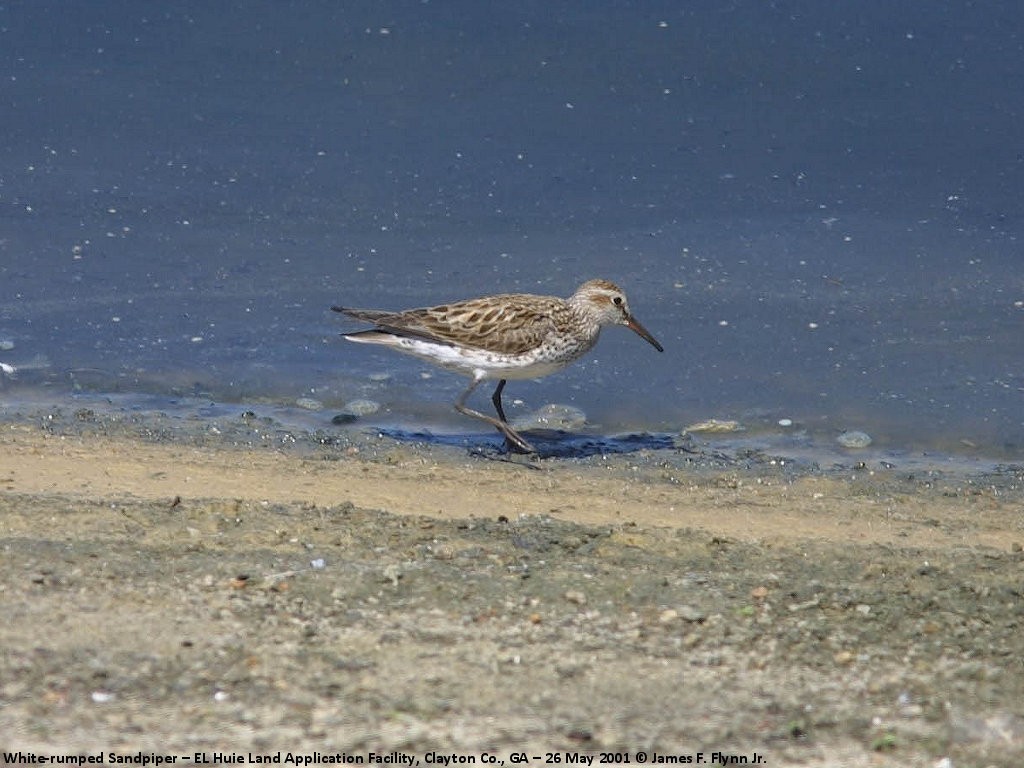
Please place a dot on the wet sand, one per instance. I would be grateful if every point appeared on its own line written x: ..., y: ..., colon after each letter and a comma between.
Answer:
x: 188, y: 589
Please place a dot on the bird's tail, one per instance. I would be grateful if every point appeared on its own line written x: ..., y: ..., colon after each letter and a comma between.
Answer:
x: 367, y: 315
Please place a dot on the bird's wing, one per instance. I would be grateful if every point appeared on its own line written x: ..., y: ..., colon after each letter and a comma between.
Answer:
x: 394, y: 323
x: 509, y: 324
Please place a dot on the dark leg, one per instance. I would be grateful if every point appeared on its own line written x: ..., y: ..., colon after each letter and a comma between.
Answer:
x: 496, y: 399
x: 512, y: 438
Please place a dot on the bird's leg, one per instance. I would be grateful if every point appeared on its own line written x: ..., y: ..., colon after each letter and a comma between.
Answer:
x: 496, y: 399
x: 512, y: 438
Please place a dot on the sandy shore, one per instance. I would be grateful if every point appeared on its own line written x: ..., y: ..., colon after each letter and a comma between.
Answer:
x: 181, y: 596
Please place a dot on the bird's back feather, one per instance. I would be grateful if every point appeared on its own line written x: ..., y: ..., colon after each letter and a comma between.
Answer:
x: 510, y: 324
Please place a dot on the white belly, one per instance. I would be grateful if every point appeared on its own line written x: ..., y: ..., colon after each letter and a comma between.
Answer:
x: 477, y: 363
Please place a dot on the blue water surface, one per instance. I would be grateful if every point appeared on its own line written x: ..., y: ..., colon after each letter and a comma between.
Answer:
x: 816, y: 207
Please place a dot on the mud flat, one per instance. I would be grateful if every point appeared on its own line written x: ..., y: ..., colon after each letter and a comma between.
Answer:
x: 234, y: 589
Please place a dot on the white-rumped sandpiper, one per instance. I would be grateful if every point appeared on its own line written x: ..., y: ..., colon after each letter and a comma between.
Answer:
x: 509, y: 336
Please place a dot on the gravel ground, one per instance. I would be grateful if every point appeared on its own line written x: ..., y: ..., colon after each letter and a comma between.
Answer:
x: 362, y: 596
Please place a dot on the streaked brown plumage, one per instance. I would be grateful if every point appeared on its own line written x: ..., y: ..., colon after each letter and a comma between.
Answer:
x: 508, y: 336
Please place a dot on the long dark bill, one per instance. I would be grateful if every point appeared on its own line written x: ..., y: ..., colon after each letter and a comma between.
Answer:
x: 631, y: 322
x: 643, y: 333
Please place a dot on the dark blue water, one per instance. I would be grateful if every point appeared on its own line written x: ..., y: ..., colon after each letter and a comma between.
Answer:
x: 816, y: 207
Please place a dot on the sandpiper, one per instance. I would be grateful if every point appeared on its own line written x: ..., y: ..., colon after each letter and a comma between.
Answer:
x: 509, y: 336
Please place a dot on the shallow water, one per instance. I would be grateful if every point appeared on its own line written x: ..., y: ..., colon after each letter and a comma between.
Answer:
x: 816, y: 210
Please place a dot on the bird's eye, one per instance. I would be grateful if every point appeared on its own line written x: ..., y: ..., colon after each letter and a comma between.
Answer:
x: 617, y: 301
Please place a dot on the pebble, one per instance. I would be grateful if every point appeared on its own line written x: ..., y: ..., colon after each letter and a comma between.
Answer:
x: 854, y: 439
x: 361, y: 407
x: 553, y: 416
x: 715, y: 426
x: 691, y: 614
x: 843, y: 658
x: 392, y: 573
x: 444, y: 552
x: 575, y: 596
x: 6, y: 345
x: 309, y: 403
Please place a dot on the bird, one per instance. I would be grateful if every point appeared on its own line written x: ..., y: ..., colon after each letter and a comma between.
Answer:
x: 505, y: 336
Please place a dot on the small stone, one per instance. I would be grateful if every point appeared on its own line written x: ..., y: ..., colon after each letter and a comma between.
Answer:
x: 854, y: 439
x: 814, y: 602
x: 6, y: 345
x: 239, y: 582
x: 575, y: 596
x: 691, y: 614
x: 392, y: 573
x: 668, y: 616
x: 309, y: 403
x: 444, y: 552
x: 344, y: 418
x: 361, y: 407
x: 843, y: 657
x: 715, y: 426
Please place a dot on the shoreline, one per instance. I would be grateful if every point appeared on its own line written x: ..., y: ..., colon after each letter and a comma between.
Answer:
x: 816, y: 442
x: 878, y: 507
x: 217, y: 585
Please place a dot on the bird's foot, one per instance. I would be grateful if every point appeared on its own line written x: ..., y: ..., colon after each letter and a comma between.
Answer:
x: 516, y: 443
